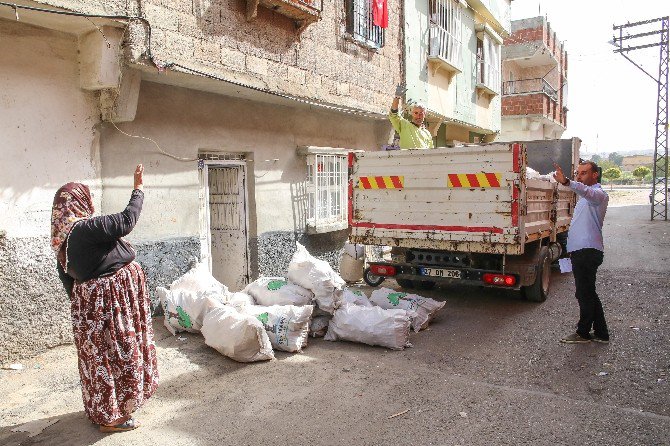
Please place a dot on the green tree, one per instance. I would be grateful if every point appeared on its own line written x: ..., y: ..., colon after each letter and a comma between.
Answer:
x: 615, y: 158
x: 596, y: 158
x: 641, y: 171
x: 611, y: 174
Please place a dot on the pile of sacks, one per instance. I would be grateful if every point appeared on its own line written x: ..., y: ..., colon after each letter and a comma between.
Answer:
x: 274, y: 313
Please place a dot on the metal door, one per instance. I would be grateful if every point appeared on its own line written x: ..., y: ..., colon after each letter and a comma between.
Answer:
x: 228, y: 224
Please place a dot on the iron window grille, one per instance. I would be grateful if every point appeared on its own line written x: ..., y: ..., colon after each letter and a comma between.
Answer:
x: 445, y: 32
x: 360, y: 24
x: 326, y: 192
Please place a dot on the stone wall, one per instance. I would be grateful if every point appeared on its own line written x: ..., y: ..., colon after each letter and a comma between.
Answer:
x: 321, y: 63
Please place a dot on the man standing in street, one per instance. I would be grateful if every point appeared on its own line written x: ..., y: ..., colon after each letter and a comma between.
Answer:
x: 413, y: 134
x: 585, y: 245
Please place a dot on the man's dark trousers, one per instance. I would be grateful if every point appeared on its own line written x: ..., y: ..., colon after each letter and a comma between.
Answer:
x: 585, y: 263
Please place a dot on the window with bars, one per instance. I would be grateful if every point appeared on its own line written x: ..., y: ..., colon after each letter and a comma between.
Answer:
x: 488, y: 63
x: 360, y: 25
x: 445, y: 32
x: 326, y: 192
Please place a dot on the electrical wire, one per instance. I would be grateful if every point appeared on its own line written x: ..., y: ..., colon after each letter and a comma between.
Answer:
x: 178, y: 158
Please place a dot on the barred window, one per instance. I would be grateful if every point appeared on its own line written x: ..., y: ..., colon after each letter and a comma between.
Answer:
x: 326, y: 192
x: 360, y: 25
x: 445, y: 32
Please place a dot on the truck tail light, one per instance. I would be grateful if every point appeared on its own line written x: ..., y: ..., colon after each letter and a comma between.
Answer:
x: 383, y: 270
x: 499, y: 279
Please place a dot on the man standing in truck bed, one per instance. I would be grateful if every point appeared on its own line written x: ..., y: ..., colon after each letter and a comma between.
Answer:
x: 585, y: 245
x: 413, y: 134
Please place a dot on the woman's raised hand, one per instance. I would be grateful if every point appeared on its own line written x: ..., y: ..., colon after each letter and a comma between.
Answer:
x: 139, y: 170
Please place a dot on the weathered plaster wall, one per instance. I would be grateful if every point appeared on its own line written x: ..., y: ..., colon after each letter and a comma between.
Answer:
x: 47, y: 125
x: 47, y: 139
x: 213, y: 123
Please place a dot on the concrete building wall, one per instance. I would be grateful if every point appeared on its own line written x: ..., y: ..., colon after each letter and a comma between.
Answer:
x: 453, y: 97
x: 48, y: 138
x: 322, y: 62
x: 212, y: 123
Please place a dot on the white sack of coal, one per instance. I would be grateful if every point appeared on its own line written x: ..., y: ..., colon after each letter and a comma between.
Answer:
x: 287, y: 326
x: 318, y: 276
x: 356, y: 297
x: 239, y: 336
x: 185, y: 310
x: 355, y: 250
x: 423, y: 307
x: 197, y: 279
x: 240, y: 300
x: 370, y: 325
x: 318, y: 326
x: 278, y: 291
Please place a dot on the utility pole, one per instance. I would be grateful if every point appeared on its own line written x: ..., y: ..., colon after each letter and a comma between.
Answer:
x: 659, y: 191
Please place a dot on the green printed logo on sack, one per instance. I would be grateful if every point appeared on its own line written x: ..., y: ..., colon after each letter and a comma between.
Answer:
x: 263, y: 317
x: 274, y: 285
x: 184, y: 318
x: 394, y: 298
x: 357, y: 292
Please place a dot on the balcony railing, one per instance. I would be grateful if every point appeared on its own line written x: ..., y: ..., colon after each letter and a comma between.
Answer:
x: 526, y: 86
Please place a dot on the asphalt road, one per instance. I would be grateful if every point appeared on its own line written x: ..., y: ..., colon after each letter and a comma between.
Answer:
x: 488, y: 371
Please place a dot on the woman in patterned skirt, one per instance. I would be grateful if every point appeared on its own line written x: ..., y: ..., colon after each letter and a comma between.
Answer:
x: 111, y: 319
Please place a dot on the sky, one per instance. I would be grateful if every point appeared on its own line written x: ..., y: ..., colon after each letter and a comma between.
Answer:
x: 611, y: 103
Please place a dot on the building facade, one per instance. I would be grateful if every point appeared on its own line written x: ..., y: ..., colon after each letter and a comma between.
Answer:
x: 534, y: 88
x: 452, y: 65
x: 242, y: 113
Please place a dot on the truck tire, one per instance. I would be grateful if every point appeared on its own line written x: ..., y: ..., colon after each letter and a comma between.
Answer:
x: 372, y: 279
x: 539, y: 290
x: 405, y: 283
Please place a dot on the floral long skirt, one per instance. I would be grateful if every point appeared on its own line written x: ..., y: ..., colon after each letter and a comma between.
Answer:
x: 111, y: 320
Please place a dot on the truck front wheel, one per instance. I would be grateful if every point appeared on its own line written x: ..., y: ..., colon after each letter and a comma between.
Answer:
x: 539, y: 290
x: 372, y: 279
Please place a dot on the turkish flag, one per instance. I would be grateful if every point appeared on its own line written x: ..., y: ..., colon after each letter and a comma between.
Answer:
x: 380, y: 13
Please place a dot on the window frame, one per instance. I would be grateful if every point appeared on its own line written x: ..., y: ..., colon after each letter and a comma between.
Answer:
x: 330, y: 212
x: 489, y: 60
x: 363, y: 31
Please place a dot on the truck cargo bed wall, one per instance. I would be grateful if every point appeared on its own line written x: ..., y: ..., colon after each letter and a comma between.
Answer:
x: 459, y: 199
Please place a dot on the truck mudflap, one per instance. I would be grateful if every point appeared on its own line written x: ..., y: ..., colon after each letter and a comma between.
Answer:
x: 441, y: 274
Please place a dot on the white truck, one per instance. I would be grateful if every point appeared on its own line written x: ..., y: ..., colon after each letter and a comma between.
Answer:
x: 471, y: 214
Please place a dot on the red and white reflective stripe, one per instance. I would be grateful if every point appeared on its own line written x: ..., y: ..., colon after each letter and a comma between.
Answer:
x: 487, y: 229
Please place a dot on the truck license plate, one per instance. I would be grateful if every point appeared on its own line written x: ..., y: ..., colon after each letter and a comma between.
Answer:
x: 439, y: 272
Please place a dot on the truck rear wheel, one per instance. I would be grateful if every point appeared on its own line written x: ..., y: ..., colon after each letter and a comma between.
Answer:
x: 539, y: 290
x: 372, y: 279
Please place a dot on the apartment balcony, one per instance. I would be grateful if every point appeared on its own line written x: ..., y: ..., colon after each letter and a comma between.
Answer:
x: 533, y: 44
x: 445, y: 49
x: 533, y: 98
x: 303, y: 12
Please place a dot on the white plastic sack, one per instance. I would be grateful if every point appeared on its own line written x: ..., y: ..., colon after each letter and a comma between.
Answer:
x: 277, y: 291
x: 351, y: 269
x: 319, y: 326
x: 424, y: 308
x: 241, y: 300
x: 370, y: 325
x: 316, y: 275
x: 185, y: 310
x: 356, y: 297
x: 199, y: 278
x: 240, y: 337
x: 287, y: 326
